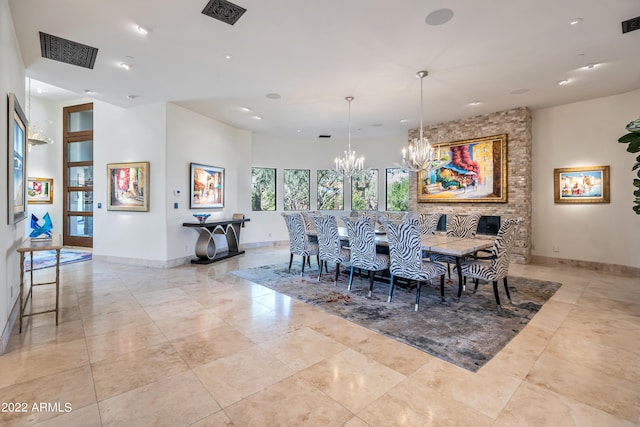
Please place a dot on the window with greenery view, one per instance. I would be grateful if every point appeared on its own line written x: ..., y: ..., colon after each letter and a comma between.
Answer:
x: 397, y: 190
x: 364, y: 190
x: 330, y: 190
x: 296, y: 189
x: 263, y: 189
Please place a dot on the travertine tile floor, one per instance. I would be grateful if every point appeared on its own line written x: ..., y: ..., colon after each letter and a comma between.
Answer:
x: 196, y: 346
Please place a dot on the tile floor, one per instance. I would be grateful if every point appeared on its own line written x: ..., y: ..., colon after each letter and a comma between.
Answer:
x: 196, y: 346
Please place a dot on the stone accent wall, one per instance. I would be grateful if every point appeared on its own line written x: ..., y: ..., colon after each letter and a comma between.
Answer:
x: 516, y: 124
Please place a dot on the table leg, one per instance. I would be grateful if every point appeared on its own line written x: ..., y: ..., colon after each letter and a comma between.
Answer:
x: 460, y: 285
x: 21, y: 287
x: 57, y: 283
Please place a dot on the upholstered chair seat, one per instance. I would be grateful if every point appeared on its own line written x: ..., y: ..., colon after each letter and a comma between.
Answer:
x: 363, y: 249
x: 331, y: 250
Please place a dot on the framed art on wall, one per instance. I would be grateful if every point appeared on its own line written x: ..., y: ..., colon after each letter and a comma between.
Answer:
x: 128, y: 186
x: 475, y: 171
x: 587, y: 184
x: 40, y: 191
x: 206, y: 187
x: 16, y: 161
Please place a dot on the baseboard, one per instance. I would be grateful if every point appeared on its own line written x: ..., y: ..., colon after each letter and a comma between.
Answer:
x: 139, y: 262
x: 6, y: 334
x: 623, y: 270
x: 253, y: 245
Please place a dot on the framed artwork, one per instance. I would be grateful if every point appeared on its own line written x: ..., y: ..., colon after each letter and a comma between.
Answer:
x: 475, y: 171
x: 16, y: 161
x: 397, y: 190
x: 364, y: 190
x: 297, y: 189
x: 40, y: 190
x: 330, y: 190
x: 263, y: 189
x: 128, y: 186
x: 587, y: 184
x: 206, y: 187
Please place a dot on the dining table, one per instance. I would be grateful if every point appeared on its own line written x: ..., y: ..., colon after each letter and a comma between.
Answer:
x: 440, y: 243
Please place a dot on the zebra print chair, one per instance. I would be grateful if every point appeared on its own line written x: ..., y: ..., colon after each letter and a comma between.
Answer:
x: 363, y: 249
x: 429, y: 223
x: 405, y: 252
x: 329, y: 243
x: 465, y: 226
x: 497, y: 266
x: 298, y: 242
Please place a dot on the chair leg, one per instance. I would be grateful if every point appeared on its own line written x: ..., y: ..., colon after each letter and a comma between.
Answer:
x: 371, y: 274
x: 449, y: 270
x: 495, y: 292
x: 391, y: 288
x: 319, y: 272
x: 418, y: 294
x: 335, y: 282
x: 442, y: 287
x: 506, y: 288
x: 304, y: 261
x: 476, y: 287
x: 317, y: 260
x: 350, y: 279
x: 290, y: 262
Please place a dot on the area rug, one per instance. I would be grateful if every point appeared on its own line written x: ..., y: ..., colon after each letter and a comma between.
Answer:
x: 467, y: 332
x: 46, y: 259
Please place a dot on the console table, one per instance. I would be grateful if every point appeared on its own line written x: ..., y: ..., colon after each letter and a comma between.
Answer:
x: 31, y: 246
x: 217, y: 239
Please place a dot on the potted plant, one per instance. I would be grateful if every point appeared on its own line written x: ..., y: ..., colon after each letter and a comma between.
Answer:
x: 633, y: 139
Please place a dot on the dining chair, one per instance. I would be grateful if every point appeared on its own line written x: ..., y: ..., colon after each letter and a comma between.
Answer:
x: 463, y: 226
x: 405, y: 252
x: 363, y: 249
x: 495, y: 266
x: 298, y: 242
x: 329, y: 244
x: 429, y: 223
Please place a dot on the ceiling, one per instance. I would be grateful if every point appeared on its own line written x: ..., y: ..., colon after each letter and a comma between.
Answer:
x: 310, y: 55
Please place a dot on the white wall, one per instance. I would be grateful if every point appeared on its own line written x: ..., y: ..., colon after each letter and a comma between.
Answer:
x: 11, y: 80
x: 586, y: 134
x: 123, y: 135
x: 299, y: 153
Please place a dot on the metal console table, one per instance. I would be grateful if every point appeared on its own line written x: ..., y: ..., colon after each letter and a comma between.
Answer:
x: 217, y: 240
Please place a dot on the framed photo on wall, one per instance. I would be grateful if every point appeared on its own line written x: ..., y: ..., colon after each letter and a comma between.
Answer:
x: 128, y: 186
x: 587, y: 184
x: 206, y: 187
x: 475, y: 171
x: 16, y: 161
x: 40, y: 191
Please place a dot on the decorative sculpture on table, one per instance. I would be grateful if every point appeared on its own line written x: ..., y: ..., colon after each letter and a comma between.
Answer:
x: 41, y: 231
x: 202, y: 218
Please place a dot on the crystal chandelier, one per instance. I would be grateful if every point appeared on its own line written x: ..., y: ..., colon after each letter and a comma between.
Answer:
x: 35, y: 135
x: 420, y: 155
x: 349, y: 165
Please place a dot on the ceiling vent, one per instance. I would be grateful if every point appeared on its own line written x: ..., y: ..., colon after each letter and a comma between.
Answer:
x: 324, y: 136
x: 224, y: 11
x: 67, y: 51
x: 630, y: 25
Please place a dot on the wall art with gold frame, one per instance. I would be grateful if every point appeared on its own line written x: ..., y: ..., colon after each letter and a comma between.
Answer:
x: 585, y: 184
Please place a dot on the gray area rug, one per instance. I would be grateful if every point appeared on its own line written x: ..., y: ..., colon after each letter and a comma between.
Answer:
x: 466, y: 332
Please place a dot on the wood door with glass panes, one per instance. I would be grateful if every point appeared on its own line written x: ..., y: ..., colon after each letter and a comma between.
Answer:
x: 78, y: 175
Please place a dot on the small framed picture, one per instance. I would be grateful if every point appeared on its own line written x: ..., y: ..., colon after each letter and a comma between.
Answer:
x: 128, y: 186
x: 40, y: 190
x: 587, y: 184
x: 207, y: 187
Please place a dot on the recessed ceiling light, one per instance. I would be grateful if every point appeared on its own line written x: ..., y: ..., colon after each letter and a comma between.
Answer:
x: 474, y: 103
x: 404, y: 120
x: 125, y: 66
x: 143, y: 30
x: 439, y: 17
x: 519, y: 91
x: 257, y: 117
x: 89, y: 92
x: 563, y: 82
x: 131, y: 97
x: 273, y: 96
x: 228, y: 57
x: 575, y: 21
x: 591, y: 66
x: 377, y: 125
x: 40, y: 90
x: 246, y: 109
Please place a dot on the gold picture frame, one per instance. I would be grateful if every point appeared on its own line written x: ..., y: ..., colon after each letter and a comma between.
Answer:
x: 40, y: 191
x: 128, y: 186
x: 585, y: 184
x: 475, y: 171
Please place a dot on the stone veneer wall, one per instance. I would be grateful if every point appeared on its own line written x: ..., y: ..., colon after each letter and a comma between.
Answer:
x: 516, y: 124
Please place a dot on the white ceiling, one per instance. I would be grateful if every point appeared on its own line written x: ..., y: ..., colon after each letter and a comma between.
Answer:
x: 315, y: 53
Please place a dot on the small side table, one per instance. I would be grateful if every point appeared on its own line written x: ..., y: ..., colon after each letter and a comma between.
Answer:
x: 31, y: 246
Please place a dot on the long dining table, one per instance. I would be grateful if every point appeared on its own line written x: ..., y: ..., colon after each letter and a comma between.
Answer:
x: 458, y: 247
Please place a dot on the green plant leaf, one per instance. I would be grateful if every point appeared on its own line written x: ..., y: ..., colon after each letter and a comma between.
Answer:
x: 637, y: 193
x: 630, y: 137
x: 634, y: 146
x: 636, y: 183
x: 634, y: 126
x: 637, y: 209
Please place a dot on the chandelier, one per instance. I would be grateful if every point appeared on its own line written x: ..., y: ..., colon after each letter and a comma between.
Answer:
x: 349, y: 165
x: 35, y: 135
x: 420, y: 155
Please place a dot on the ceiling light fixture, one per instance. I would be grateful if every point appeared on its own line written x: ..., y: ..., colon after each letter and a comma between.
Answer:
x: 131, y: 97
x: 575, y: 21
x: 125, y: 66
x: 591, y: 66
x: 228, y: 57
x: 420, y: 155
x: 89, y: 92
x: 246, y: 109
x: 143, y: 30
x: 474, y: 103
x: 563, y: 82
x: 349, y: 165
x: 35, y: 135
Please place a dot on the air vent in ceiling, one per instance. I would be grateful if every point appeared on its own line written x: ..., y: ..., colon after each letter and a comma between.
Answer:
x: 224, y: 11
x: 324, y: 136
x: 630, y: 25
x: 67, y: 51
